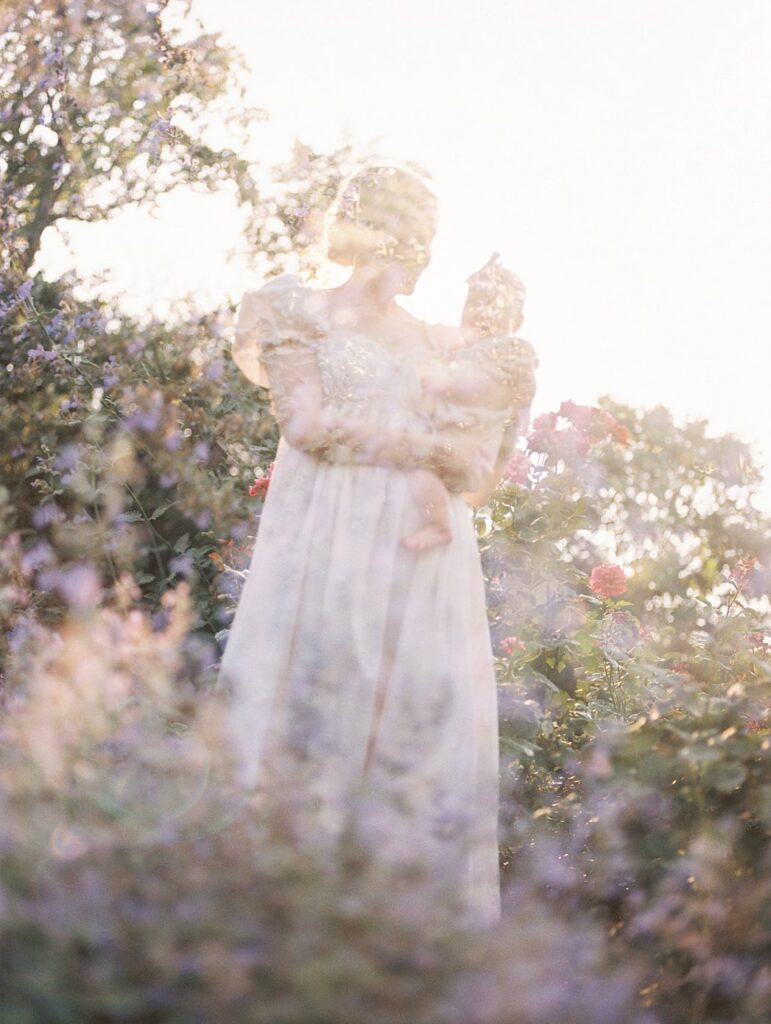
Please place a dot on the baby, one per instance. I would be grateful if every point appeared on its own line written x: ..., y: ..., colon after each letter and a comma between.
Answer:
x: 486, y: 387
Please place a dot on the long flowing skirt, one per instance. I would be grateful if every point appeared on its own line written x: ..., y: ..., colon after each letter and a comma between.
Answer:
x: 372, y: 665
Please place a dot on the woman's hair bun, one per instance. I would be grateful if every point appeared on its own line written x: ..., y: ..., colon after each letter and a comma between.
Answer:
x: 381, y: 211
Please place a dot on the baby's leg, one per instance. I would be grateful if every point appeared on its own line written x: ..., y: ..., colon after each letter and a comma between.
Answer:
x: 433, y: 501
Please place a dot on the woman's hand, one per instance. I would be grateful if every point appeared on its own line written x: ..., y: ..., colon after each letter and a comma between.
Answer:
x: 460, y: 462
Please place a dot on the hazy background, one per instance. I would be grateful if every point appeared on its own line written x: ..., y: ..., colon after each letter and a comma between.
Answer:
x: 616, y: 155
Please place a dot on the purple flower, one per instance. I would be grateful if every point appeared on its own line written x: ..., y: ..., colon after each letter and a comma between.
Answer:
x: 167, y: 479
x: 215, y: 368
x: 172, y: 441
x: 47, y: 513
x: 67, y: 458
x: 201, y: 651
x: 135, y: 346
x: 18, y: 633
x: 146, y: 420
x: 43, y: 353
x: 159, y: 620
x: 39, y: 554
x: 55, y: 325
x: 201, y: 451
x: 182, y: 564
x: 79, y: 585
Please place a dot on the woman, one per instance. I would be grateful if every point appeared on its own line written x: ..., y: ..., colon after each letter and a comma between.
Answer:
x: 357, y: 665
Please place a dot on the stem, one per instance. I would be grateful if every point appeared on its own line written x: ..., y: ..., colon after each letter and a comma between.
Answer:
x: 149, y: 524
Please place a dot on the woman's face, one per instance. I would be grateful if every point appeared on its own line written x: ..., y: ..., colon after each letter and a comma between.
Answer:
x: 405, y: 231
x: 399, y: 269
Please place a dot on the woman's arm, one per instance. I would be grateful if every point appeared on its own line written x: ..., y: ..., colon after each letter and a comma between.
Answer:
x: 312, y: 425
x: 459, y: 460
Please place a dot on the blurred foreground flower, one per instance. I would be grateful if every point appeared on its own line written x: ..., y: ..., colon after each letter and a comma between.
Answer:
x: 120, y: 814
x: 79, y: 584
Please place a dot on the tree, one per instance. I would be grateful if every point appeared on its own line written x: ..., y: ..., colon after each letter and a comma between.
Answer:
x: 103, y: 104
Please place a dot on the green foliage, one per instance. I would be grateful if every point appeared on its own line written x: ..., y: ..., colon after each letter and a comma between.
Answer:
x: 636, y: 730
x: 628, y: 574
x: 126, y: 450
x: 105, y: 104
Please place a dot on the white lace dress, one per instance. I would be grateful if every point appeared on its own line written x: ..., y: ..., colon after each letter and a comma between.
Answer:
x: 370, y: 663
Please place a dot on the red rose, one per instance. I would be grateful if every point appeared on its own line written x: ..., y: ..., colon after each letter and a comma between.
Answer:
x: 607, y: 580
x: 509, y: 644
x: 581, y: 416
x: 261, y: 483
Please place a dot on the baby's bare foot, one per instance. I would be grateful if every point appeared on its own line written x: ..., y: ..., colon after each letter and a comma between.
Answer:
x: 427, y: 537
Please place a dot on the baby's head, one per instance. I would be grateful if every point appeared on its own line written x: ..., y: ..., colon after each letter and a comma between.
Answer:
x: 495, y: 299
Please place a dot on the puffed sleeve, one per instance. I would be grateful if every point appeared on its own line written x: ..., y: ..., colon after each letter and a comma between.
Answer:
x: 276, y: 344
x: 268, y: 317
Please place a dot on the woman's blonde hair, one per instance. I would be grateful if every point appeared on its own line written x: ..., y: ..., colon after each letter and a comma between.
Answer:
x: 382, y: 211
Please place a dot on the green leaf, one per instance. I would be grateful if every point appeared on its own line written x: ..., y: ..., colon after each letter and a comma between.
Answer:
x: 511, y: 746
x: 545, y: 680
x: 725, y: 776
x: 182, y: 543
x: 161, y: 509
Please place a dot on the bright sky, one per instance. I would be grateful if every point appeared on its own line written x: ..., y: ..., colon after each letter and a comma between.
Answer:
x: 617, y: 155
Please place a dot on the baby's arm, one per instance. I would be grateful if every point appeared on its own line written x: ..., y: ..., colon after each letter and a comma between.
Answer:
x: 310, y: 424
x: 465, y: 383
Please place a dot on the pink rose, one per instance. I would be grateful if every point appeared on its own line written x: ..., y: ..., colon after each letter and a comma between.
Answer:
x: 607, y: 580
x: 509, y: 644
x: 518, y: 469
